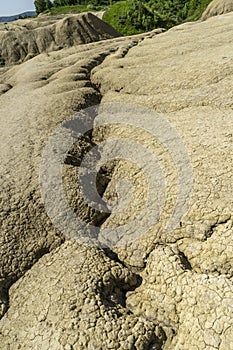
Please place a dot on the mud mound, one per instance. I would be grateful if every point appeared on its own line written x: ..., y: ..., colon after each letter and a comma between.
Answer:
x: 24, y: 39
x: 217, y: 7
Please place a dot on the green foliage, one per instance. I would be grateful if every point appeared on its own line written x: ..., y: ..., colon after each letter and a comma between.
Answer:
x: 132, y: 16
x: 118, y: 17
x: 49, y: 4
x: 196, y: 8
x: 40, y: 6
x: 59, y: 3
x: 72, y: 9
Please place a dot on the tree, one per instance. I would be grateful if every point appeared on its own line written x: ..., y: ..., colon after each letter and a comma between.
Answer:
x: 40, y: 6
x: 49, y: 4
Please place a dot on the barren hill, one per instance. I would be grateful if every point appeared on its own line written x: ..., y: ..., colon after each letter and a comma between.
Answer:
x: 24, y: 39
x: 165, y: 126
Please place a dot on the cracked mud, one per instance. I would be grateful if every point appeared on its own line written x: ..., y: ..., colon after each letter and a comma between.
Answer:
x: 161, y: 291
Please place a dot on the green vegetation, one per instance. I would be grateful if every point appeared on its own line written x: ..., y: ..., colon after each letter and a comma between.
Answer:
x: 119, y: 16
x: 67, y: 6
x: 72, y: 9
x: 196, y: 9
x: 58, y: 7
x: 132, y: 16
x: 42, y: 5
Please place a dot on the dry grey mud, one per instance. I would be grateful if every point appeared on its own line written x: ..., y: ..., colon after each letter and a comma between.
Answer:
x: 24, y: 39
x: 159, y: 291
x: 217, y: 7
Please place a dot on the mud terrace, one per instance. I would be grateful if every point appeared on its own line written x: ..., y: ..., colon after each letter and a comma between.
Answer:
x: 164, y: 291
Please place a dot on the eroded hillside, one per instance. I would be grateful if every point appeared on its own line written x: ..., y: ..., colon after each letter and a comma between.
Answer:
x: 24, y: 39
x: 157, y: 290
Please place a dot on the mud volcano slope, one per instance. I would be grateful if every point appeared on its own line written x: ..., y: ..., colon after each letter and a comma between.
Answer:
x: 217, y: 7
x: 23, y: 39
x: 157, y: 289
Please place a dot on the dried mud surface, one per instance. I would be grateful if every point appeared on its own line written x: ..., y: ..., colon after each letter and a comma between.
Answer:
x: 161, y: 291
x: 217, y: 7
